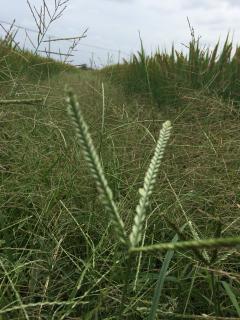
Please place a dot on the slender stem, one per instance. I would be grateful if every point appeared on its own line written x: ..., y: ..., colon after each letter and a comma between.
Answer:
x: 169, y: 315
x: 23, y: 101
x: 214, y: 280
x: 199, y: 244
x: 128, y: 267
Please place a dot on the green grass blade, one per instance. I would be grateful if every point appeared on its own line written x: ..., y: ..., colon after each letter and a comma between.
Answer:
x: 160, y: 282
x: 232, y: 296
x: 161, y: 279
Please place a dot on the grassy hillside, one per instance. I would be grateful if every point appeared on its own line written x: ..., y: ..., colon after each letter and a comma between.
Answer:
x: 60, y: 258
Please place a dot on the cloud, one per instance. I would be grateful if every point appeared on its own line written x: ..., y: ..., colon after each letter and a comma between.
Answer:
x: 121, y: 1
x: 161, y: 6
x: 235, y: 3
x: 203, y: 4
x: 114, y: 24
x: 206, y: 4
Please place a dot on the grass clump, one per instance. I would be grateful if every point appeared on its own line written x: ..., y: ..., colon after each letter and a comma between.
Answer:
x: 166, y: 77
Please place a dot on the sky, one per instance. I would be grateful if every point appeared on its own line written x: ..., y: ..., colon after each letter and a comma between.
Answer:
x: 114, y: 25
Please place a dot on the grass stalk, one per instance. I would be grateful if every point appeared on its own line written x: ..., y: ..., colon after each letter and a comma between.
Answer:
x: 160, y: 282
x: 194, y: 244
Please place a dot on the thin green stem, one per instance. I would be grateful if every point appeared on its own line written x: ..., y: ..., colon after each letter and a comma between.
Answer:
x: 199, y: 244
x: 22, y: 101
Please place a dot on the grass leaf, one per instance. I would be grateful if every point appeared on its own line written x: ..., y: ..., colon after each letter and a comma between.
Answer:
x: 232, y: 296
x: 160, y: 282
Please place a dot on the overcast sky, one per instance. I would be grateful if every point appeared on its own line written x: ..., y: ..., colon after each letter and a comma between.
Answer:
x: 114, y: 24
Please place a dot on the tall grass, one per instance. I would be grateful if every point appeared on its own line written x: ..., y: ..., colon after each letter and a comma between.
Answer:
x: 62, y: 254
x: 166, y: 77
x: 84, y: 244
x: 106, y: 197
x: 17, y: 63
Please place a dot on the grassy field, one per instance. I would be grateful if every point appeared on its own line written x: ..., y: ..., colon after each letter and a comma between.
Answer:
x: 60, y: 255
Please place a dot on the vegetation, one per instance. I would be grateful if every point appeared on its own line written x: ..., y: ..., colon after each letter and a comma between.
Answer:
x: 166, y: 77
x: 77, y: 239
x: 15, y: 62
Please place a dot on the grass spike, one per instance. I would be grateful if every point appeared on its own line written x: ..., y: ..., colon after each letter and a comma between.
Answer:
x: 149, y: 181
x: 94, y: 164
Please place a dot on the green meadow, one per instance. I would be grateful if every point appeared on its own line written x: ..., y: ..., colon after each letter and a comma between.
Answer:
x: 119, y: 193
